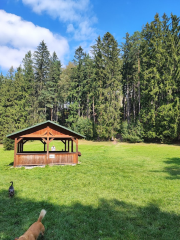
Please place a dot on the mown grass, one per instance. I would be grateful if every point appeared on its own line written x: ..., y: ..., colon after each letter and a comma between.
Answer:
x: 122, y: 191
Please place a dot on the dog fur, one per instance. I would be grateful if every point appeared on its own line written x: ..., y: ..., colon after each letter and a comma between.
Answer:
x: 35, y: 229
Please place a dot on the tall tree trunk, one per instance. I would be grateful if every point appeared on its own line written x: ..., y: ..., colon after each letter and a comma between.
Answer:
x: 94, y: 119
x: 79, y: 111
x: 88, y: 115
x: 124, y: 107
x: 51, y: 114
x: 128, y: 105
x: 57, y: 113
x: 139, y: 93
x: 134, y: 102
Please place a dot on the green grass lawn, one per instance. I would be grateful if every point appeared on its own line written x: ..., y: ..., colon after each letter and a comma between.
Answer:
x: 122, y: 191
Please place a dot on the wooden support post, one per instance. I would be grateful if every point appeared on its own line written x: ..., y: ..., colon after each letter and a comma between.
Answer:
x: 76, y: 150
x: 65, y: 145
x: 47, y: 160
x: 71, y: 145
x: 68, y: 145
x: 18, y: 146
x: 76, y: 155
x: 15, y: 151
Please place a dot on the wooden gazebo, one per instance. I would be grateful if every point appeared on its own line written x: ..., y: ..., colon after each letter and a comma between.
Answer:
x: 46, y: 132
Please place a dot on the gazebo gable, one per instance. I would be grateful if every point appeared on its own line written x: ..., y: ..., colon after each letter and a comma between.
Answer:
x: 45, y: 129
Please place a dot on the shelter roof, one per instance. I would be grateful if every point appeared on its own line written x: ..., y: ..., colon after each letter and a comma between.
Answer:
x: 49, y: 123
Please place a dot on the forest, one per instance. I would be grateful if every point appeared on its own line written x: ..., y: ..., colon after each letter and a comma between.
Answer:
x: 129, y: 90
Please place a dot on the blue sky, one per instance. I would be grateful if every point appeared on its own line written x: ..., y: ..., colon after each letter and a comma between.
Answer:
x: 64, y: 25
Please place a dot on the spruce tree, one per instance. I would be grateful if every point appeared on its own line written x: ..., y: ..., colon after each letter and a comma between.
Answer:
x: 109, y: 86
x: 31, y: 99
x: 152, y: 75
x: 76, y: 88
x: 41, y: 71
x: 64, y: 93
x: 51, y: 89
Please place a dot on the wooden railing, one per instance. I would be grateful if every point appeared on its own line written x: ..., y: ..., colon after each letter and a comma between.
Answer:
x: 42, y: 158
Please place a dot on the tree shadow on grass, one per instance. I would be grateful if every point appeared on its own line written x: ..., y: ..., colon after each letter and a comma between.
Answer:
x: 173, y: 168
x: 110, y: 220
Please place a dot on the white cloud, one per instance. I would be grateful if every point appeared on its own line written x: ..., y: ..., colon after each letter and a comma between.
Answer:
x: 10, y: 57
x: 66, y: 10
x: 70, y: 28
x: 19, y: 36
x: 77, y: 14
x: 85, y: 31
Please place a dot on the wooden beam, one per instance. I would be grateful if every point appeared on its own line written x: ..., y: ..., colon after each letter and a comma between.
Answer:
x: 21, y: 146
x: 24, y: 141
x: 76, y: 150
x: 20, y: 139
x: 71, y: 145
x: 44, y: 144
x: 74, y: 139
x: 44, y: 140
x: 44, y: 133
x: 47, y: 160
x: 48, y: 131
x: 44, y: 136
x: 15, y: 151
x: 51, y: 133
x: 51, y: 140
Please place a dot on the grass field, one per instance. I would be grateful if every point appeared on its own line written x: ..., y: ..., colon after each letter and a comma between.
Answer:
x: 122, y: 191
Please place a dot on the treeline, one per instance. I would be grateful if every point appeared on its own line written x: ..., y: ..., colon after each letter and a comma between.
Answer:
x: 131, y: 89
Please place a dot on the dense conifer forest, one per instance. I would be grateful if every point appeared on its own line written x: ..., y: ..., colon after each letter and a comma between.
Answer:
x: 131, y: 89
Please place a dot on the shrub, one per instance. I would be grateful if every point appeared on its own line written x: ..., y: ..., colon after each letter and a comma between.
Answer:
x: 84, y: 126
x: 133, y: 132
x: 8, y: 143
x: 167, y: 122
